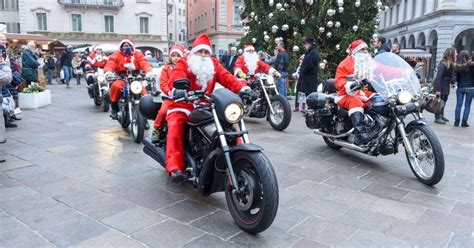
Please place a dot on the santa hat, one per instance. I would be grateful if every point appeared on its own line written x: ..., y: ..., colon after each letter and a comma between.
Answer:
x: 248, y: 47
x: 147, y: 52
x: 127, y: 40
x: 177, y: 49
x: 356, y: 46
x: 95, y: 48
x: 202, y: 42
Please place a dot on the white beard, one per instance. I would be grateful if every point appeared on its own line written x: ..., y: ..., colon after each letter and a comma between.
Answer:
x: 363, y: 66
x: 251, y: 60
x: 202, y: 67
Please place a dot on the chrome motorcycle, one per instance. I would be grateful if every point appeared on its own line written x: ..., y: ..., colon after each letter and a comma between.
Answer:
x: 98, y: 89
x: 397, y: 96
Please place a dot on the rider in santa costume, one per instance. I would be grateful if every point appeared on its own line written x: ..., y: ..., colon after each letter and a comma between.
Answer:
x: 96, y: 59
x: 126, y: 59
x: 203, y: 71
x: 250, y: 63
x: 176, y: 53
x: 350, y: 72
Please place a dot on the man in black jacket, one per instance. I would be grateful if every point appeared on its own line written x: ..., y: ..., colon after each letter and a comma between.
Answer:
x: 308, y: 80
x: 381, y: 45
x: 66, y: 65
x: 281, y: 65
x: 229, y: 60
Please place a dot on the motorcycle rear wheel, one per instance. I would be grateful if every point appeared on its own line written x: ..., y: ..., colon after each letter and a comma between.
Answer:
x: 282, y: 117
x: 428, y: 163
x: 138, y: 125
x: 255, y: 209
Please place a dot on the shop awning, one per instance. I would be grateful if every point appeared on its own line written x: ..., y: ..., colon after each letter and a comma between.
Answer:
x: 39, y: 39
x: 414, y: 54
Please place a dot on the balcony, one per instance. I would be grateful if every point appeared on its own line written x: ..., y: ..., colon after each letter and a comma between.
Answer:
x: 88, y: 4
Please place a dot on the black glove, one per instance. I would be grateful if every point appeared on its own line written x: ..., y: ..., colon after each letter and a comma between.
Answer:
x: 178, y: 94
x: 250, y: 94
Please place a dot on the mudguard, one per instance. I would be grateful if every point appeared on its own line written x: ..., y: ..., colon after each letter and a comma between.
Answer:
x: 416, y: 122
x: 212, y: 177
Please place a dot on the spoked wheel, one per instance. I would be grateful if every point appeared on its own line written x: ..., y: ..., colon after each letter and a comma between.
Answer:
x: 255, y: 208
x: 428, y: 161
x: 282, y: 116
x: 138, y: 125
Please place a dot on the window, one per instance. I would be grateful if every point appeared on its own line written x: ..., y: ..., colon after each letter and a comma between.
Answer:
x: 76, y: 1
x: 76, y: 23
x: 170, y: 36
x: 236, y: 15
x: 413, y: 9
x: 41, y: 20
x: 144, y: 25
x: 109, y: 24
x: 179, y: 12
x: 423, y: 7
x: 180, y: 37
x: 405, y: 10
x: 398, y: 12
x: 9, y: 5
x: 12, y: 27
x: 109, y: 2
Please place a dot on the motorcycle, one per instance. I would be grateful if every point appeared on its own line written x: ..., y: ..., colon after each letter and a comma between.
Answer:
x: 220, y: 157
x: 99, y: 88
x: 397, y: 95
x: 128, y: 103
x: 269, y: 103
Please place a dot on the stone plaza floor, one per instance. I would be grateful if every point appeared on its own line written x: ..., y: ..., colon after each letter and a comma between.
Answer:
x: 74, y: 177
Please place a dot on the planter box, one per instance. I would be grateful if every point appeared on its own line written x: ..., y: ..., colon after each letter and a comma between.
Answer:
x: 34, y: 100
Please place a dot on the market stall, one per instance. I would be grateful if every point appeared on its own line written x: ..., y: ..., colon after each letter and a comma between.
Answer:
x: 419, y: 60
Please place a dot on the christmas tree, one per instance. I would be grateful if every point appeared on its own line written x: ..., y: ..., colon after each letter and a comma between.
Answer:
x: 334, y: 23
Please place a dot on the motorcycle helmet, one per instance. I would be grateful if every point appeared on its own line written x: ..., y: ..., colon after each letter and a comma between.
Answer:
x: 148, y: 108
x: 316, y: 100
x: 379, y: 104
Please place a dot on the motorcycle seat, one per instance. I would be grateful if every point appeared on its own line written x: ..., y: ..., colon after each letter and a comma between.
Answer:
x: 331, y: 98
x: 330, y: 85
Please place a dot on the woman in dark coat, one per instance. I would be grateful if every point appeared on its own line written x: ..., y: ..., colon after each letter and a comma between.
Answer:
x: 29, y: 63
x: 308, y: 77
x: 444, y: 78
x: 464, y: 70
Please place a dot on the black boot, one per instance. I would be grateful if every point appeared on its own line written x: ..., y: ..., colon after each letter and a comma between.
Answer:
x: 439, y: 120
x: 362, y: 136
x: 464, y: 124
x: 114, y: 111
x: 177, y: 176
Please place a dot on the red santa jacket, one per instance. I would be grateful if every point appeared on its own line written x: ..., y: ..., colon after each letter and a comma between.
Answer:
x: 344, y: 69
x: 95, y: 63
x: 164, y: 78
x: 118, y: 60
x: 221, y: 75
x: 240, y: 65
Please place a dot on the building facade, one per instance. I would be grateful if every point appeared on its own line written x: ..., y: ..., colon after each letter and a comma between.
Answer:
x: 177, y: 21
x: 220, y: 19
x: 9, y: 15
x: 432, y: 25
x: 77, y: 22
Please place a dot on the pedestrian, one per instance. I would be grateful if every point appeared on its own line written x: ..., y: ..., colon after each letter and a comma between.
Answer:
x: 229, y: 60
x: 443, y: 80
x: 66, y: 64
x: 5, y: 78
x: 381, y: 45
x: 29, y: 71
x: 464, y: 70
x: 395, y: 49
x: 50, y: 64
x: 308, y: 78
x: 281, y: 65
x: 296, y: 76
x: 77, y: 67
x: 270, y: 60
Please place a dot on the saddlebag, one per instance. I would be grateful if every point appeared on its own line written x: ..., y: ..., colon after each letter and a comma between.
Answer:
x: 318, y: 118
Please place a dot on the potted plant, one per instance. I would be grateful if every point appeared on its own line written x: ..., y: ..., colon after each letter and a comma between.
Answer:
x: 34, y: 96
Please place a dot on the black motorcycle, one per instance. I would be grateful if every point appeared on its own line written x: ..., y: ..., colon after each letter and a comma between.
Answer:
x: 269, y: 104
x: 397, y: 96
x: 98, y: 87
x: 128, y: 103
x: 220, y: 157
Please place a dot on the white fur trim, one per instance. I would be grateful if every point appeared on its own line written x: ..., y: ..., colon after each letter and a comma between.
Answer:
x: 176, y: 51
x: 338, y: 98
x: 129, y: 42
x: 187, y: 112
x: 244, y: 88
x: 359, y: 47
x: 249, y: 48
x: 353, y: 110
x: 272, y: 70
x: 200, y: 47
x: 348, y: 88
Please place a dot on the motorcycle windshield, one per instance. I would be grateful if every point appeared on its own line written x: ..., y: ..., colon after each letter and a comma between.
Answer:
x: 392, y: 74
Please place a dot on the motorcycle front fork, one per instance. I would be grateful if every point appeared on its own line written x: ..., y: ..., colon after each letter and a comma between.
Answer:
x: 406, y: 142
x: 267, y: 97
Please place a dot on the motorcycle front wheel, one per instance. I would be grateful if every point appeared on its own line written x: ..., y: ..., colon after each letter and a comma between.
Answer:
x: 97, y: 99
x: 138, y: 125
x: 106, y: 105
x: 282, y: 116
x: 255, y: 208
x: 428, y: 161
x: 124, y: 118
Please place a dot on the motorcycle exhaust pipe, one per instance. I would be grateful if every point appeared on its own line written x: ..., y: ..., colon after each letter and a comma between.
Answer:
x: 155, y: 152
x: 319, y: 132
x: 351, y: 146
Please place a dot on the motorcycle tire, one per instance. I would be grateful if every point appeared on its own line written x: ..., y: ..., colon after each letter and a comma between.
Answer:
x: 254, y: 171
x: 124, y: 119
x: 331, y: 144
x: 138, y: 125
x: 280, y: 105
x: 106, y: 105
x: 97, y: 99
x: 436, y: 154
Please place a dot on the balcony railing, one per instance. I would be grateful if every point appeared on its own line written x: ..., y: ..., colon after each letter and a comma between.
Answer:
x: 113, y: 4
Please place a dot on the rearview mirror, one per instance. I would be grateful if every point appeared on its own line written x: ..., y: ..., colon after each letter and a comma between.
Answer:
x: 181, y: 84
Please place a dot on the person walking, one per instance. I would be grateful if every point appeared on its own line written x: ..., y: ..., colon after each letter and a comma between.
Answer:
x: 77, y: 67
x: 381, y: 45
x: 281, y: 65
x: 66, y: 64
x: 5, y: 79
x: 50, y: 64
x: 464, y: 70
x: 29, y: 64
x: 308, y: 78
x: 443, y: 80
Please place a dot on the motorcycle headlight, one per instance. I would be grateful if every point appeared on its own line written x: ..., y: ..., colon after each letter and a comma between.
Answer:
x: 233, y: 113
x: 404, y: 97
x: 136, y: 87
x: 270, y: 80
x: 100, y: 78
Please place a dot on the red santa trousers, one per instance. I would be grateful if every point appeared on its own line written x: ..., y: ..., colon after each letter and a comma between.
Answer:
x: 352, y: 103
x: 175, y: 141
x: 116, y: 90
x: 161, y: 117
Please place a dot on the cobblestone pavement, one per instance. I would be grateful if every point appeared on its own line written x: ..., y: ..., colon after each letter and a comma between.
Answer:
x: 74, y: 177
